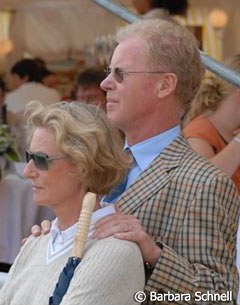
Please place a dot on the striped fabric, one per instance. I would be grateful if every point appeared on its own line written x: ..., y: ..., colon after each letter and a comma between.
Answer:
x: 192, y: 208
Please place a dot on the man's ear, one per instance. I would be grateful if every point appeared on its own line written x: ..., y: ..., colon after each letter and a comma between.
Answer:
x: 166, y: 85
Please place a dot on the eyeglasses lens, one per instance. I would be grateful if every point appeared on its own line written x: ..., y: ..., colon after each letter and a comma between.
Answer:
x: 117, y: 74
x: 40, y: 161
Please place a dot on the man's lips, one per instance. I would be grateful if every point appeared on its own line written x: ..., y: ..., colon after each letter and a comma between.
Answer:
x: 37, y: 187
x: 111, y: 102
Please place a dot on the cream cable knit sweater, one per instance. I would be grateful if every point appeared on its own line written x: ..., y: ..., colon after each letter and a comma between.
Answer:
x: 109, y: 274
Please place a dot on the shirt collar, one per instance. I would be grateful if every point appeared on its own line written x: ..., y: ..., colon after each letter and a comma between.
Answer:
x: 146, y: 151
x: 62, y: 236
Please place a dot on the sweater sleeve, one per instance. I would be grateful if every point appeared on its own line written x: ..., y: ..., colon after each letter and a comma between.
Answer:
x: 110, y: 273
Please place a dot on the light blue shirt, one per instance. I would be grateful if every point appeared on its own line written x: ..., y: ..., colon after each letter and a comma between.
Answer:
x: 146, y: 151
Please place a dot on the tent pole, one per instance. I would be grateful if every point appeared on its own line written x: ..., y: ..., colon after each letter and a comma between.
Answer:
x: 209, y: 63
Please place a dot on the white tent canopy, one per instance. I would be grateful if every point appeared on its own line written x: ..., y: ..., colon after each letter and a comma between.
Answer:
x: 57, y: 30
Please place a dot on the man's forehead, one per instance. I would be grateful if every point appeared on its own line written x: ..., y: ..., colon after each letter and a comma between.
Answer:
x: 130, y: 51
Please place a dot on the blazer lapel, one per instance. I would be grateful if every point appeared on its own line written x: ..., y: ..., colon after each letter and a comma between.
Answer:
x: 154, y: 178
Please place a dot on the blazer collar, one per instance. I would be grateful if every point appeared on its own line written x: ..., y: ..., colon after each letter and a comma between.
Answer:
x: 154, y: 178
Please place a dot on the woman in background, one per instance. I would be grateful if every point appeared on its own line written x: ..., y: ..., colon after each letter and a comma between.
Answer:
x: 212, y: 122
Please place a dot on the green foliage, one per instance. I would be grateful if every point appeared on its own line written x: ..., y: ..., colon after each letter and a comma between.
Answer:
x: 8, y: 144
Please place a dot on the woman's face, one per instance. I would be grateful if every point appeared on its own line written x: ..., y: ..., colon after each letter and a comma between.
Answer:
x: 58, y: 184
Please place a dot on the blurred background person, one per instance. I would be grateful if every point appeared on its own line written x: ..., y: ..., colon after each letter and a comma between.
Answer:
x: 87, y: 87
x: 212, y: 123
x: 163, y: 9
x: 48, y: 78
x: 25, y: 79
x: 3, y: 110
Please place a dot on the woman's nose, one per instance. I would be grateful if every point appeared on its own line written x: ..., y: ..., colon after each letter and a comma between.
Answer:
x: 29, y: 169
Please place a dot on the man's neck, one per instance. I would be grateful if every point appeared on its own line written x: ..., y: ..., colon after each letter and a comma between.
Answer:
x: 142, y: 135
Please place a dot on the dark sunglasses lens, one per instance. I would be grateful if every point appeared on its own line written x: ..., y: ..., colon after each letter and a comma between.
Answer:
x: 39, y: 161
x: 27, y: 156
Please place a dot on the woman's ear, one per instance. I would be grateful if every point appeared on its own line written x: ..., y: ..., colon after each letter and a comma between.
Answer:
x: 166, y: 85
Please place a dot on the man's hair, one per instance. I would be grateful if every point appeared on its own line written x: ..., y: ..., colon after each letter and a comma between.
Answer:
x: 171, y: 48
x: 29, y: 68
x: 90, y: 77
x: 86, y: 137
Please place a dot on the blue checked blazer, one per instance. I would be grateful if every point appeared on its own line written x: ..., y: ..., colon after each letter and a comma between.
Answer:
x: 189, y: 206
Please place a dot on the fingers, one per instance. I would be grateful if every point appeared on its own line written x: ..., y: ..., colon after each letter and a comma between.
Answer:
x: 114, y: 219
x: 105, y: 220
x: 46, y: 226
x: 127, y: 227
x: 36, y: 231
x: 44, y: 229
x: 116, y: 223
x: 23, y: 241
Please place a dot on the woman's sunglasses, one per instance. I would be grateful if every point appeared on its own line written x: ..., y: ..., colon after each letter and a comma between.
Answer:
x: 41, y: 160
x: 119, y: 74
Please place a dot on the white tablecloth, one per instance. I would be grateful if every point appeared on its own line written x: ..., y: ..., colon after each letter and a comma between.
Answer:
x: 17, y: 214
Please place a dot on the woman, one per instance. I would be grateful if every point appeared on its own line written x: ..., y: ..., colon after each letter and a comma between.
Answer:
x: 212, y: 126
x: 73, y: 149
x: 212, y: 122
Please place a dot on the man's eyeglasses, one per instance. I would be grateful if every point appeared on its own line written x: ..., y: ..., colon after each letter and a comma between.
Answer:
x: 119, y: 74
x: 41, y: 160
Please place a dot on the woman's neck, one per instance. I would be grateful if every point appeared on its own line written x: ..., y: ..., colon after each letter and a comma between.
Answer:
x: 69, y: 211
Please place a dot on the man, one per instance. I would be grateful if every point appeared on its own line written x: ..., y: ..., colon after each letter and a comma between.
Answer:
x: 181, y: 211
x: 88, y: 87
x: 26, y: 80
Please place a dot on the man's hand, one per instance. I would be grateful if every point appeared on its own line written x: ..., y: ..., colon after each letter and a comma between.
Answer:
x: 44, y: 229
x: 36, y: 230
x: 128, y: 228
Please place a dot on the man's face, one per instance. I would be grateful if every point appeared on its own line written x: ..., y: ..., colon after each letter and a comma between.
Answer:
x: 132, y: 102
x: 16, y: 81
x: 91, y: 94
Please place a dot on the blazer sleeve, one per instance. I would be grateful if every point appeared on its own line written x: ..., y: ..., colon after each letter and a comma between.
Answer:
x: 110, y: 274
x: 207, y: 246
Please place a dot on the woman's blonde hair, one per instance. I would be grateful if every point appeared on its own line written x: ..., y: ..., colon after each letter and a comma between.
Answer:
x: 212, y: 91
x: 84, y: 135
